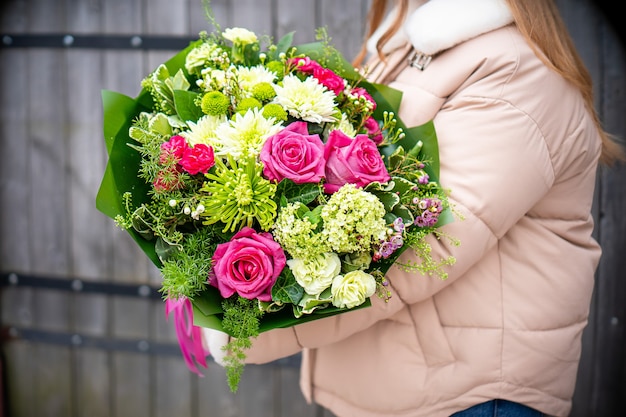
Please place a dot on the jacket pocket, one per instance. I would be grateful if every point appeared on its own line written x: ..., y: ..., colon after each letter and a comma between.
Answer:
x: 430, y: 334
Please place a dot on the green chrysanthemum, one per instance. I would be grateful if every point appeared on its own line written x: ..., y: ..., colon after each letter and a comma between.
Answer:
x: 238, y: 195
x: 215, y: 103
x: 274, y: 110
x: 248, y: 103
x: 263, y: 92
x: 277, y: 67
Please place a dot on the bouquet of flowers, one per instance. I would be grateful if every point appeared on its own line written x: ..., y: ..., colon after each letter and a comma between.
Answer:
x: 271, y: 184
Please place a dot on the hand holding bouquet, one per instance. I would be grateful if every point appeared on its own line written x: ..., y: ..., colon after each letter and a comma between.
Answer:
x: 271, y: 185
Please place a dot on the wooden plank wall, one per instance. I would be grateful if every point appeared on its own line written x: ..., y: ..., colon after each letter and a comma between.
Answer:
x: 53, y: 158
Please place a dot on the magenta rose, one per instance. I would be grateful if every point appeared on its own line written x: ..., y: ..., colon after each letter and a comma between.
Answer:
x: 373, y: 130
x: 355, y: 161
x: 293, y: 154
x: 329, y: 80
x: 248, y: 264
x: 304, y: 64
x: 200, y: 158
x: 174, y: 147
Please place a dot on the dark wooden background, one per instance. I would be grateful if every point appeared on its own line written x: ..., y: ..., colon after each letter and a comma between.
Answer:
x: 83, y: 332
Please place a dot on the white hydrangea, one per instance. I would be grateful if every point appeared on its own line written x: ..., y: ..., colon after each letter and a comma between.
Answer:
x: 353, y: 220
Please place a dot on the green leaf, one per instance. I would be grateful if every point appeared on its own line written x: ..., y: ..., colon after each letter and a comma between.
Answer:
x: 286, y: 289
x: 208, y: 302
x: 179, y: 82
x: 389, y: 200
x: 334, y: 61
x: 164, y: 250
x: 402, y: 185
x: 405, y: 213
x: 117, y: 108
x: 310, y: 303
x: 303, y: 193
x: 283, y: 45
x: 186, y: 107
x: 160, y: 124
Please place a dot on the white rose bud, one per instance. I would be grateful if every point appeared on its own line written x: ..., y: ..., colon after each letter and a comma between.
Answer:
x: 352, y: 289
x: 317, y: 274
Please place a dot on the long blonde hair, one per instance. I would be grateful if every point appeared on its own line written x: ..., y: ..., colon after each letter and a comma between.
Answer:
x: 540, y: 22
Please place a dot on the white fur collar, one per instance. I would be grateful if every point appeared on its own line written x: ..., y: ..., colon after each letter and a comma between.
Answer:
x: 435, y: 25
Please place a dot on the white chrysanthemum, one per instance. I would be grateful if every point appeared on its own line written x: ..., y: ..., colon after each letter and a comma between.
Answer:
x: 203, y: 131
x: 245, y: 135
x: 307, y: 100
x: 346, y: 127
x: 248, y: 77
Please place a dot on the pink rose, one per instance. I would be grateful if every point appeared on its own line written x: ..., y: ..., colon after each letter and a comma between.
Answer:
x: 200, y: 158
x: 304, y: 64
x: 172, y: 148
x: 373, y: 130
x: 248, y: 264
x: 355, y: 161
x: 293, y: 154
x: 329, y: 80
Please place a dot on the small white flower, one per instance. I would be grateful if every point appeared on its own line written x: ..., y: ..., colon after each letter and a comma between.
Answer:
x: 187, y: 210
x: 346, y: 127
x: 172, y: 203
x: 213, y: 79
x: 307, y: 100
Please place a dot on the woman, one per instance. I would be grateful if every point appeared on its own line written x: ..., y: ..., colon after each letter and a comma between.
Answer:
x: 519, y: 147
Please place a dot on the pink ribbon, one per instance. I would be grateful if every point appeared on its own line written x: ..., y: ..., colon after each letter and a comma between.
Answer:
x: 189, y: 336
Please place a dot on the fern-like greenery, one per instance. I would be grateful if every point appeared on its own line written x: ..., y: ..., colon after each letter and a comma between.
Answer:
x: 241, y: 321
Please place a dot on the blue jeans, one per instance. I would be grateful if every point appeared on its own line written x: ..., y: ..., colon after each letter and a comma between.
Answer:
x: 499, y: 408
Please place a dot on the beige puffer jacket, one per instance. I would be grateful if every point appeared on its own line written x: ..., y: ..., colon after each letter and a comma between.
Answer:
x: 519, y: 153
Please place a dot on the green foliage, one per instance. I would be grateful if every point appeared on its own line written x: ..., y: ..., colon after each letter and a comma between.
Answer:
x: 286, y: 290
x: 186, y: 271
x: 241, y: 320
x: 294, y: 193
